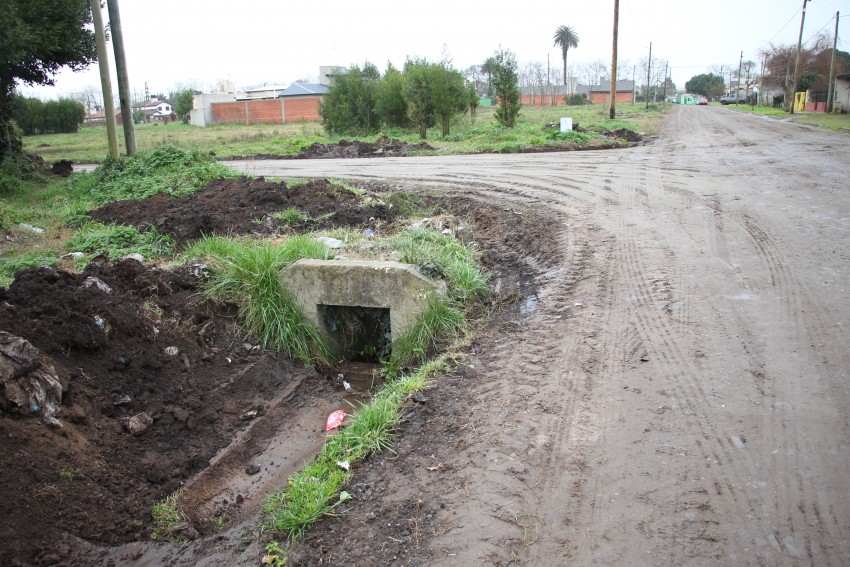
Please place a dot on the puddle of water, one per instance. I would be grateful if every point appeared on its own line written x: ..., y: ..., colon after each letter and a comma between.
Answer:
x: 528, y: 305
x: 362, y: 378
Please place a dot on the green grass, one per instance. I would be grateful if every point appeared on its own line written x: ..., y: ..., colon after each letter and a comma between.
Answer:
x: 167, y: 169
x: 316, y: 490
x: 166, y: 514
x: 246, y: 273
x: 483, y: 134
x: 834, y: 122
x: 441, y: 321
x: 95, y: 238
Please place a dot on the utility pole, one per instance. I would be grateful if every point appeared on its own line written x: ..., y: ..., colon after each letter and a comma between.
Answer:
x: 797, y: 61
x: 648, y: 71
x: 747, y: 84
x: 738, y: 86
x: 831, y: 90
x: 123, y: 79
x: 105, y: 84
x: 612, y: 110
x: 666, y: 65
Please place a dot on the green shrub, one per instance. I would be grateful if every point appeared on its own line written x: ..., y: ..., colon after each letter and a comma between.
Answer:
x: 118, y: 240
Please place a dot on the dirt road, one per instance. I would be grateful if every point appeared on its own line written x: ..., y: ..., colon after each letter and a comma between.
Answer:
x: 678, y: 393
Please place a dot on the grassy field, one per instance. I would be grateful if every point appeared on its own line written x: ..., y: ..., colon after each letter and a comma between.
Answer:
x: 835, y: 122
x: 482, y: 134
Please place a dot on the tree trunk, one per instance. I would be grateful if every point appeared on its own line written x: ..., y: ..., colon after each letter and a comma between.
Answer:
x: 9, y: 144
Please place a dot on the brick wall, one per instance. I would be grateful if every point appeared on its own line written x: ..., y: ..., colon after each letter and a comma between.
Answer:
x: 248, y: 112
x: 302, y: 109
x: 268, y: 111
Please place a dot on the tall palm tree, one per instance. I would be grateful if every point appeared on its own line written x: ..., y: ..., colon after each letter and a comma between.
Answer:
x: 488, y: 67
x: 565, y: 37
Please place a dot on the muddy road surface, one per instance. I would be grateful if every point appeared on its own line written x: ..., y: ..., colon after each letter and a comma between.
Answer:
x: 677, y: 393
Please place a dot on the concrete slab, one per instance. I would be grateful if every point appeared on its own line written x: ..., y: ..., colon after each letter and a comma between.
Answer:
x: 361, y: 283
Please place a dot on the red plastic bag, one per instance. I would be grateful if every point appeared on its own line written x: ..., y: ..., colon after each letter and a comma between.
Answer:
x: 335, y: 420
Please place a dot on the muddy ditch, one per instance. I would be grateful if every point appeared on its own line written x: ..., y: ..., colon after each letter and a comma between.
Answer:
x: 228, y: 422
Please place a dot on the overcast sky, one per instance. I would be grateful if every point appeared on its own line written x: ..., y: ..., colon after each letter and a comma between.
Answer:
x: 253, y: 42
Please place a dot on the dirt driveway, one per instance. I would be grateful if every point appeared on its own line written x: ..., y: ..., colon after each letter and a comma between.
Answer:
x: 678, y: 394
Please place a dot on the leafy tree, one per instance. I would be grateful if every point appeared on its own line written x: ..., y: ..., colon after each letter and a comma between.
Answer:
x: 506, y: 88
x: 708, y: 85
x: 183, y: 101
x: 54, y: 116
x: 349, y: 105
x: 487, y: 67
x: 390, y: 105
x: 472, y: 100
x: 448, y: 93
x: 565, y: 37
x: 37, y: 39
x: 417, y: 93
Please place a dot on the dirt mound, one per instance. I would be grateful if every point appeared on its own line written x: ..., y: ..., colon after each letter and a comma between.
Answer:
x: 625, y: 134
x: 158, y: 381
x: 382, y: 147
x: 147, y: 346
x: 244, y: 206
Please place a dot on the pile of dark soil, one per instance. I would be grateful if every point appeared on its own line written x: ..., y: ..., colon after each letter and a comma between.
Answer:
x: 382, y: 147
x: 146, y: 342
x: 244, y: 206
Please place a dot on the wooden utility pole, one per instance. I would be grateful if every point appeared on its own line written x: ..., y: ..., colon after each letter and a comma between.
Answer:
x: 797, y: 61
x: 105, y: 83
x: 831, y: 89
x: 123, y: 79
x: 738, y: 86
x: 664, y: 99
x: 612, y: 110
x: 648, y: 72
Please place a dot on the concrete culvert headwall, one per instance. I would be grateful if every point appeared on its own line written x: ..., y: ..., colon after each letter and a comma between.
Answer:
x: 332, y: 294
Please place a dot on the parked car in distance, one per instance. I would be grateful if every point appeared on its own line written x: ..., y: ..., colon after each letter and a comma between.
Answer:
x: 730, y: 99
x: 702, y: 101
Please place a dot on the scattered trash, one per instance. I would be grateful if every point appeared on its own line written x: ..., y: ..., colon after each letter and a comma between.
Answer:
x: 346, y: 385
x: 252, y: 469
x: 332, y: 243
x: 31, y: 228
x: 123, y: 400
x: 92, y: 281
x: 368, y: 232
x: 435, y: 468
x: 343, y: 496
x: 73, y: 255
x: 172, y: 350
x: 579, y: 304
x: 344, y: 465
x: 334, y: 420
x: 135, y: 256
x: 249, y: 415
x: 102, y: 324
x: 138, y: 424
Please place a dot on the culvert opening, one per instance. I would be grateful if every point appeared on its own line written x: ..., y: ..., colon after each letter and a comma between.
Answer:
x: 361, y: 334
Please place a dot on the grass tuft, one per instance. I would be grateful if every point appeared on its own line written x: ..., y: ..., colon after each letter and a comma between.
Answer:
x: 247, y: 274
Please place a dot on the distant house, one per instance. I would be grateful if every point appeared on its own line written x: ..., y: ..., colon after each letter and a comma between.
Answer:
x: 545, y: 95
x: 156, y: 110
x: 99, y: 117
x: 601, y: 93
x: 841, y: 100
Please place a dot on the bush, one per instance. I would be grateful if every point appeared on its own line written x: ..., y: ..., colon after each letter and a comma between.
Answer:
x: 577, y: 99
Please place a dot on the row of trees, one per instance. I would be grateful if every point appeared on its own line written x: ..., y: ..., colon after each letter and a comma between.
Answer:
x: 37, y: 38
x: 34, y: 116
x: 420, y: 96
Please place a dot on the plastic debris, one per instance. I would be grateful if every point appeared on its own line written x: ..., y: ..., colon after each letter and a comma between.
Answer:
x: 334, y: 420
x: 332, y: 243
x: 435, y: 468
x: 138, y: 424
x: 346, y: 385
x: 135, y: 256
x: 92, y: 281
x: 369, y: 232
x: 344, y: 465
x: 30, y: 228
x: 172, y: 351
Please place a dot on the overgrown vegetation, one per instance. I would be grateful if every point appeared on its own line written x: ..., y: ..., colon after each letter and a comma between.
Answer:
x: 168, y: 169
x: 246, y: 273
